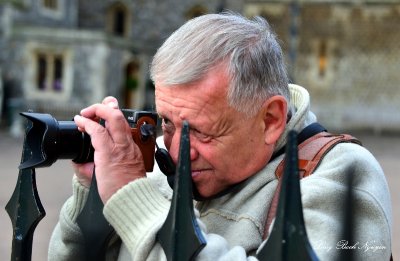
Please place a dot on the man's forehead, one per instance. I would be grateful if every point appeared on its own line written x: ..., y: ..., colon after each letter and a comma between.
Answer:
x: 215, y: 88
x: 190, y: 103
x: 185, y: 99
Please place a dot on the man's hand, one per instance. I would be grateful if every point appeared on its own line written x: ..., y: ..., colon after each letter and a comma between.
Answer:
x: 117, y: 159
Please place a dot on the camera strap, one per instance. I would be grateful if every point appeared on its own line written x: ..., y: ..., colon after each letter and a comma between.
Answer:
x: 311, y: 151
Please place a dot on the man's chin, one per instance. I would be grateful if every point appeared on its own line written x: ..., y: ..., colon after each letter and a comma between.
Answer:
x: 202, y: 193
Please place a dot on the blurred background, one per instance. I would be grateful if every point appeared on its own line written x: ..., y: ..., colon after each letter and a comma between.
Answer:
x: 58, y: 56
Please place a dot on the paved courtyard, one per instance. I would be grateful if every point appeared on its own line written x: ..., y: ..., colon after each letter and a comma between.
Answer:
x: 54, y: 186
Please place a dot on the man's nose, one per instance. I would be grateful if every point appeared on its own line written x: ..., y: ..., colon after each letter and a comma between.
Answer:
x: 194, y: 154
x: 174, y: 151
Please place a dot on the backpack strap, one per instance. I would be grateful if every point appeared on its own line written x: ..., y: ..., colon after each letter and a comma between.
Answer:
x: 310, y: 153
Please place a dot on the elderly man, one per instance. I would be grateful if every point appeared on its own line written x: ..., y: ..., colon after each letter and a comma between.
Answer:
x: 225, y: 76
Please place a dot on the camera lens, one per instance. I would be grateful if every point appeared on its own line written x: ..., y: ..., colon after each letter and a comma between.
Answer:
x: 50, y: 140
x: 73, y: 144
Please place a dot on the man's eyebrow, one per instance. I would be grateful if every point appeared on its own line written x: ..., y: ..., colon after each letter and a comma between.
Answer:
x: 163, y: 117
x: 160, y: 115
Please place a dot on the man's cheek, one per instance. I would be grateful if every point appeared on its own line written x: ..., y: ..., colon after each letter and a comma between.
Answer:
x: 167, y: 142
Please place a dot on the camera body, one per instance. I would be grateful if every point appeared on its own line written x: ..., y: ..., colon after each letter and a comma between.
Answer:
x: 50, y: 140
x: 143, y: 128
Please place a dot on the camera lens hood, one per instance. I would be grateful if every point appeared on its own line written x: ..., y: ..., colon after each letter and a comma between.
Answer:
x: 41, y: 139
x: 50, y: 140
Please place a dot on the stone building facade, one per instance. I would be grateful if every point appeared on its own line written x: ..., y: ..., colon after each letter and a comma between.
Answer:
x: 58, y: 56
x: 346, y: 53
x: 62, y: 55
x: 58, y: 65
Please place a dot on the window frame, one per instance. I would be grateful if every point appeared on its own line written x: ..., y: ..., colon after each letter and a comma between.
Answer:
x: 31, y: 88
x: 56, y: 13
x: 111, y: 20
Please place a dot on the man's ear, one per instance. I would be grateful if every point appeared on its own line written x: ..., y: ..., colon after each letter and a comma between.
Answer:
x: 275, y: 117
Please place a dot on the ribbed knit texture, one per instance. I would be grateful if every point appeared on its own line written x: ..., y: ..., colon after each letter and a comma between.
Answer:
x: 136, y: 212
x: 301, y: 116
x: 79, y: 197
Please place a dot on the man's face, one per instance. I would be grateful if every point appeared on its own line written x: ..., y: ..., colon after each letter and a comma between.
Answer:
x: 226, y: 146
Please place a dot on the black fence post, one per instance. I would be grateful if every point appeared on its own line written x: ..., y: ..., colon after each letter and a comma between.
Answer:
x: 348, y: 233
x: 180, y: 235
x: 24, y: 208
x: 96, y: 230
x: 288, y: 239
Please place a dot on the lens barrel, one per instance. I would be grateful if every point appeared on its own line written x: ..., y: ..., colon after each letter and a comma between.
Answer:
x: 50, y: 140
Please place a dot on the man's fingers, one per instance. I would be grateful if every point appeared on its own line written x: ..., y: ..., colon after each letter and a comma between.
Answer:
x: 116, y: 125
x: 91, y: 111
x: 100, y: 137
x: 111, y: 102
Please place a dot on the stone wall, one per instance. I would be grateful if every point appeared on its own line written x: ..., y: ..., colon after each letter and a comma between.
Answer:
x: 344, y: 52
x: 348, y: 57
x: 32, y: 12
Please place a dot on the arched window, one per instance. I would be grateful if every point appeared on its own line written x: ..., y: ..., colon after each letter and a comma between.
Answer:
x: 118, y: 20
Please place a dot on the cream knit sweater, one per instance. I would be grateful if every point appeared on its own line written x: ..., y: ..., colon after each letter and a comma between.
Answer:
x: 233, y: 224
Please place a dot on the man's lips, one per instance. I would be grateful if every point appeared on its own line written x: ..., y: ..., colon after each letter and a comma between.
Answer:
x: 196, y: 174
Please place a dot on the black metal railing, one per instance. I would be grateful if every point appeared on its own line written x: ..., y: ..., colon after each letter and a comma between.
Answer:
x: 180, y: 235
x: 24, y: 208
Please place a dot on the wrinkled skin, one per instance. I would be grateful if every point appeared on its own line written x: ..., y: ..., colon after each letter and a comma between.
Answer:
x: 227, y: 146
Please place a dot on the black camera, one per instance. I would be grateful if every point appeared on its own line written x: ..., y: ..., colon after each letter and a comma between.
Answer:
x: 50, y: 140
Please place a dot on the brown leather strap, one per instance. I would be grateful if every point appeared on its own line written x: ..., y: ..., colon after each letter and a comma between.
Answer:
x: 310, y: 154
x: 312, y: 150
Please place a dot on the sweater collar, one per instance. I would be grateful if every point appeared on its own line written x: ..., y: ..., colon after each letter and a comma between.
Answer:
x: 301, y: 114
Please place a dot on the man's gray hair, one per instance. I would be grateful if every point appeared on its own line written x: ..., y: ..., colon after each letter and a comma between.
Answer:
x: 248, y: 48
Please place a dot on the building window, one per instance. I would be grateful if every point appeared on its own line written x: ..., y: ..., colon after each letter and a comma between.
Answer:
x: 52, y: 8
x: 118, y: 20
x: 322, y: 59
x: 49, y: 73
x: 41, y: 71
x: 58, y: 72
x: 50, y: 4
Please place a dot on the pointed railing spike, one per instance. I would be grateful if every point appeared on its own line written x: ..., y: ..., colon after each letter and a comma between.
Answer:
x: 24, y: 208
x: 180, y: 235
x: 96, y: 234
x: 288, y: 239
x: 348, y: 231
